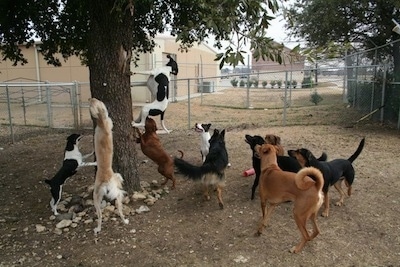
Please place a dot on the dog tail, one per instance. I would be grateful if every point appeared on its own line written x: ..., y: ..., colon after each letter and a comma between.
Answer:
x: 358, y: 151
x: 303, y: 183
x: 323, y: 157
x: 114, y: 190
x: 47, y: 181
x: 192, y: 171
x: 181, y: 152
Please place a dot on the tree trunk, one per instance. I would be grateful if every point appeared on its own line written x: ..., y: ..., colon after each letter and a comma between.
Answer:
x: 110, y: 42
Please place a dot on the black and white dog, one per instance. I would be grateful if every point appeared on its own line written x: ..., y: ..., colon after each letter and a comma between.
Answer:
x: 73, y: 160
x: 158, y: 84
x: 203, y: 129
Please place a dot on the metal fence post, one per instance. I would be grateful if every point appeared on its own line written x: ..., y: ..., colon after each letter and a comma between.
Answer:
x: 9, y: 115
x: 74, y: 104
x: 49, y: 111
x: 188, y: 91
x: 385, y: 68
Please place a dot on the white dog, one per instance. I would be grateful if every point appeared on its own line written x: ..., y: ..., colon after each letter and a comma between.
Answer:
x: 108, y: 183
x: 203, y: 129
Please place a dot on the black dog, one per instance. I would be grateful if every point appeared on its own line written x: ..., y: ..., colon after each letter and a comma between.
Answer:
x: 286, y: 163
x: 212, y: 171
x: 333, y: 171
x: 73, y: 159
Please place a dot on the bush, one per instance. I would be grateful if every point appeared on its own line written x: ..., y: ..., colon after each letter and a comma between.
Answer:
x: 279, y: 83
x: 255, y: 83
x: 249, y: 83
x: 241, y: 83
x: 234, y: 82
x: 307, y: 82
x: 273, y: 83
x: 294, y: 83
x: 316, y: 98
x: 264, y: 84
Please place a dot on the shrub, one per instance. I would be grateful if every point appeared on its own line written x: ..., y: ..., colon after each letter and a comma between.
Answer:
x: 255, y: 83
x: 294, y: 83
x: 264, y: 84
x: 241, y: 83
x: 234, y: 82
x: 306, y: 83
x: 279, y: 83
x: 273, y: 83
x: 316, y: 98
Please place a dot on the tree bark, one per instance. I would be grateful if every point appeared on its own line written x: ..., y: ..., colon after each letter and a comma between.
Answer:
x: 110, y: 42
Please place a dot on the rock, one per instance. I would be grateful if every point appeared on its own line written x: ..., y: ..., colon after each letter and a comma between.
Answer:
x: 40, y: 228
x: 63, y: 224
x: 57, y: 231
x: 65, y: 216
x: 138, y: 196
x: 142, y: 209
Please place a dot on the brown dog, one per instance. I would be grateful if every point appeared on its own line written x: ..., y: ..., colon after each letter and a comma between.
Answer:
x: 277, y: 186
x: 152, y: 148
x: 276, y: 141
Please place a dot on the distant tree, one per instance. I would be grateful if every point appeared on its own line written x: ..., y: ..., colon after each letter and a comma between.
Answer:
x: 109, y: 34
x: 322, y: 23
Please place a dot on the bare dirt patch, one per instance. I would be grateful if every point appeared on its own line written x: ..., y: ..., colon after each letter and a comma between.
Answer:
x: 181, y: 228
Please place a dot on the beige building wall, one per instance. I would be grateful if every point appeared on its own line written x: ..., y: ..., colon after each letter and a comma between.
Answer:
x: 198, y: 62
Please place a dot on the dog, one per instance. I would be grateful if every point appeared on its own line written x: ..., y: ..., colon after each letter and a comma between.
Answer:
x: 303, y: 188
x: 276, y: 141
x: 107, y: 183
x: 333, y: 171
x: 158, y: 84
x: 286, y: 163
x: 203, y: 129
x: 152, y: 148
x: 174, y: 66
x: 212, y: 171
x: 73, y: 160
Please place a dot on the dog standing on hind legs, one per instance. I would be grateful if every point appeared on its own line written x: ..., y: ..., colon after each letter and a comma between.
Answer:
x: 73, y: 160
x: 108, y: 183
x: 277, y: 186
x: 152, y: 148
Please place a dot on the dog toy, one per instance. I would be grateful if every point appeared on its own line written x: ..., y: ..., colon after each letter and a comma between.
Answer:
x: 248, y: 172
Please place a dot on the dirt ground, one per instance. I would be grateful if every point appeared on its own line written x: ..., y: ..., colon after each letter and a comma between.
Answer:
x: 181, y: 228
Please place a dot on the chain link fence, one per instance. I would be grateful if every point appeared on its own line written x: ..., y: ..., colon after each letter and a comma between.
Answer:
x: 371, y: 86
x: 353, y: 81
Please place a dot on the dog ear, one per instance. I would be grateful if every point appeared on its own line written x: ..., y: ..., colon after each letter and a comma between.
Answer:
x: 277, y: 140
x: 223, y: 134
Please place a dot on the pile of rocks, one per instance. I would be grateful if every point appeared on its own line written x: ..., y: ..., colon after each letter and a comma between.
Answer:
x: 79, y: 209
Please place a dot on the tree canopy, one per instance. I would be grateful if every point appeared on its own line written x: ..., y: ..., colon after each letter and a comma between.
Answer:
x: 322, y: 23
x: 64, y: 26
x: 108, y: 35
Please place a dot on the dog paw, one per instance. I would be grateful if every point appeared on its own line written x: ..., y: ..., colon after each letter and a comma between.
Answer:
x: 339, y: 203
x: 324, y: 214
x: 293, y: 250
x: 221, y: 205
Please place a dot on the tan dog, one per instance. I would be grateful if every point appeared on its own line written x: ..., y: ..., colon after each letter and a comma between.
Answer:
x: 108, y: 183
x: 276, y: 141
x: 152, y: 148
x: 277, y: 186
